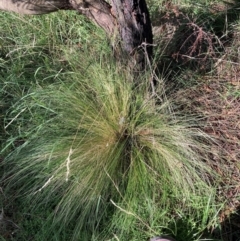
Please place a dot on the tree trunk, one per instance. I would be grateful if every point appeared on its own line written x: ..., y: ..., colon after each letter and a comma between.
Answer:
x: 129, y: 19
x: 98, y: 11
x: 135, y: 30
x: 34, y: 7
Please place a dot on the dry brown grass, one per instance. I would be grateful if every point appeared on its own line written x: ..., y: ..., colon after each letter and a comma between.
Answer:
x: 215, y: 97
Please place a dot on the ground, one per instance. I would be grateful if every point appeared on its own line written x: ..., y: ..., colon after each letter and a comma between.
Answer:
x: 199, y: 59
x: 215, y: 95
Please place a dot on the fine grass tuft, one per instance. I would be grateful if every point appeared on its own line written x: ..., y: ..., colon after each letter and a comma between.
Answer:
x: 105, y: 157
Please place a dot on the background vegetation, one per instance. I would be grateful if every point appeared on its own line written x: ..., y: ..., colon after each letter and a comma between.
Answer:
x: 90, y: 153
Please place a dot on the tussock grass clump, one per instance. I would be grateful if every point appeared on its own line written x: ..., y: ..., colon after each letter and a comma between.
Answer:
x: 105, y: 155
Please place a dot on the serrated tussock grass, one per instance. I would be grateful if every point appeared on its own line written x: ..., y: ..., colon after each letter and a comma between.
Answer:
x: 106, y: 155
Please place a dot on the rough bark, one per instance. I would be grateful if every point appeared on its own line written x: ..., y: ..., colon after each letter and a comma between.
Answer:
x: 98, y: 11
x: 127, y: 18
x: 34, y: 6
x: 135, y: 30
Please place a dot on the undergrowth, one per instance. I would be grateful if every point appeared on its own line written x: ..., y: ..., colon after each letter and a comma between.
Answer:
x: 104, y: 155
x: 86, y: 154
